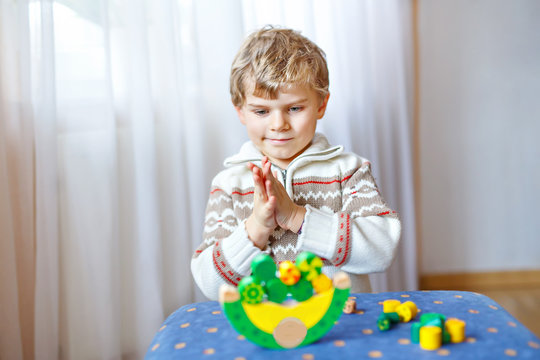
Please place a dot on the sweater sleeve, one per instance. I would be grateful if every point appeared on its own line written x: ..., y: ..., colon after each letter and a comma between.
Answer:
x: 225, y: 254
x: 362, y: 238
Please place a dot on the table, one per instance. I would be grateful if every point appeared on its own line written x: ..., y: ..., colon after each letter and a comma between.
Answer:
x: 201, y: 331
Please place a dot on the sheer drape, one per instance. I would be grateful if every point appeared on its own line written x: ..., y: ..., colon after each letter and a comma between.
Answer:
x: 114, y: 117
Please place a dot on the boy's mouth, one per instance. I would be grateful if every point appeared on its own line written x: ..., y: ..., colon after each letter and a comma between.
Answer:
x: 278, y: 141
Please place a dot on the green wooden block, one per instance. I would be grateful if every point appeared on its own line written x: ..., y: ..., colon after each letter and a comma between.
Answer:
x: 434, y: 322
x: 263, y: 267
x: 383, y: 322
x: 415, y: 332
x: 445, y: 336
x: 309, y: 264
x: 250, y: 290
x: 434, y: 319
x: 393, y: 316
x: 302, y: 290
x: 276, y: 290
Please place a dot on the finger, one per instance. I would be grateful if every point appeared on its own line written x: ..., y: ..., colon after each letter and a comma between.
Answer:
x: 260, y: 184
x: 268, y: 188
x: 260, y: 190
x: 260, y: 173
x: 255, y: 173
x: 272, y: 202
x: 273, y: 176
x: 257, y: 180
x: 267, y: 170
x: 251, y: 165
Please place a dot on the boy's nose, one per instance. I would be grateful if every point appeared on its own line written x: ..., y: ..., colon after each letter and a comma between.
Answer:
x: 279, y: 121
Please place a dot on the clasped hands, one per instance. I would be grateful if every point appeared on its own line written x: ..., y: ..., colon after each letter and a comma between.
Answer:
x: 272, y: 206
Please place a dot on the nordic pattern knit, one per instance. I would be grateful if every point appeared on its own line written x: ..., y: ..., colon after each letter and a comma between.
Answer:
x: 347, y: 223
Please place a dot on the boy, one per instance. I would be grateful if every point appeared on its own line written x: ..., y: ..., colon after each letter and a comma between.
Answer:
x: 288, y: 190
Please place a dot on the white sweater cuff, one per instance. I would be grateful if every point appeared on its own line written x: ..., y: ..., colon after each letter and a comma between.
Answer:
x: 318, y: 233
x: 238, y: 250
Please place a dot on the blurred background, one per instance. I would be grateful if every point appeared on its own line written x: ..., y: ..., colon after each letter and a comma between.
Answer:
x: 478, y: 178
x: 115, y: 115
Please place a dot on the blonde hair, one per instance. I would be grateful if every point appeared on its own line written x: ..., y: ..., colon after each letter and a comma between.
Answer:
x: 274, y: 58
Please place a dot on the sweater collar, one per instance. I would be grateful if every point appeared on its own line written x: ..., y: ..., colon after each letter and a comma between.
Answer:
x: 319, y: 148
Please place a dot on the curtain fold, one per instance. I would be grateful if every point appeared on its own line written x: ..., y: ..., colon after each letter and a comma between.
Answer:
x: 46, y: 196
x: 17, y: 182
x: 115, y: 115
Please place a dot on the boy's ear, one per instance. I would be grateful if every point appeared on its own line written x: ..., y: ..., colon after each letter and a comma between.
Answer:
x: 240, y: 112
x: 322, y: 108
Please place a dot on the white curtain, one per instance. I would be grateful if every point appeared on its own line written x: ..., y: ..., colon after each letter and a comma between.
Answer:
x: 114, y: 117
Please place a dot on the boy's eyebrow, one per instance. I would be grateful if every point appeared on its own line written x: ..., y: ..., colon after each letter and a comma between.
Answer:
x: 298, y: 101
x: 289, y: 104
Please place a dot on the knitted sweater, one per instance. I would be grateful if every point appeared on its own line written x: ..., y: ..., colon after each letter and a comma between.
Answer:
x: 347, y: 223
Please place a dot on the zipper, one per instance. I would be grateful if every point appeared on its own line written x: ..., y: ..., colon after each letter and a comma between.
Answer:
x: 284, y: 174
x: 284, y: 171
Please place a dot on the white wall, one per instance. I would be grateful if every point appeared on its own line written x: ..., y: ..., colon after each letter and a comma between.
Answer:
x: 479, y: 135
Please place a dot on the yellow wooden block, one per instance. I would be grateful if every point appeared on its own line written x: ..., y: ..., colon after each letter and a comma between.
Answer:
x: 430, y: 337
x: 456, y: 329
x: 321, y: 283
x: 407, y: 311
x: 390, y: 305
x: 289, y: 273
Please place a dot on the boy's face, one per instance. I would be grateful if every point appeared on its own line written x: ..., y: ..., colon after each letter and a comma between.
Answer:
x: 282, y: 128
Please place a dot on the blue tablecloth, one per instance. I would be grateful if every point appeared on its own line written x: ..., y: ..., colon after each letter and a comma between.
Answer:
x: 201, y: 331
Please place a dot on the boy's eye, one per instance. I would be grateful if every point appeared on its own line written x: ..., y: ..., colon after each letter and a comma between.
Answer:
x: 260, y: 112
x: 295, y: 109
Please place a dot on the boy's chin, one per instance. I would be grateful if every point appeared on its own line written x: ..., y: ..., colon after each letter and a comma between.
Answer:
x: 280, y: 161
